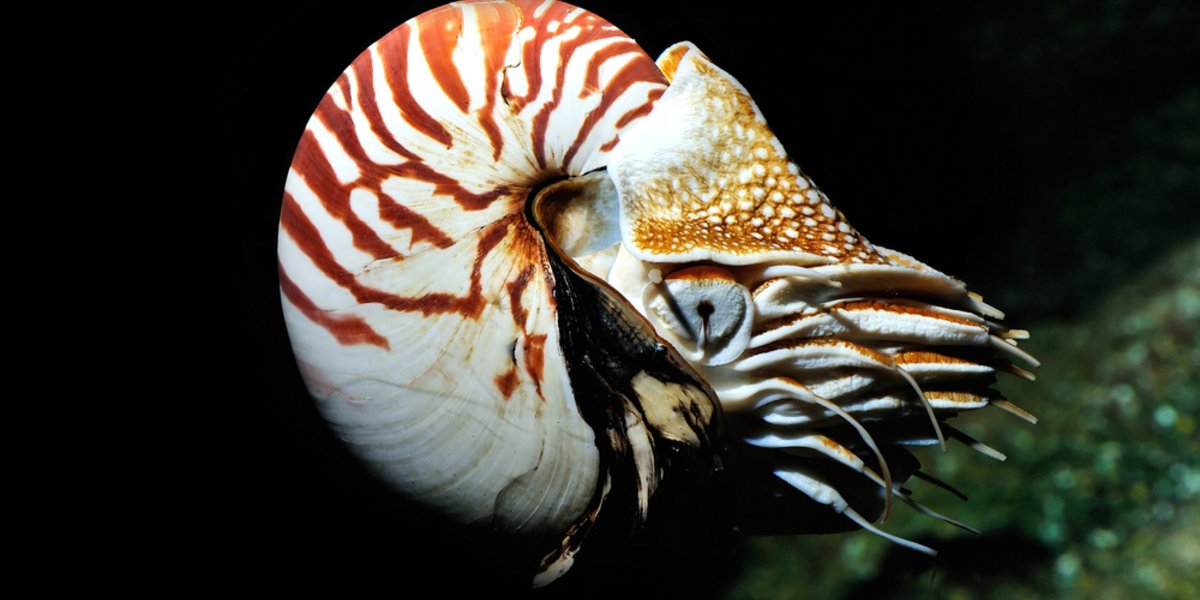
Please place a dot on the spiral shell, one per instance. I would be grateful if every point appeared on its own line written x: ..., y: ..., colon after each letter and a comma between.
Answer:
x: 531, y: 276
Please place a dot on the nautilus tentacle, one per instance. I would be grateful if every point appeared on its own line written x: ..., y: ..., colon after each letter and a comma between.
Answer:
x: 532, y: 276
x: 840, y: 330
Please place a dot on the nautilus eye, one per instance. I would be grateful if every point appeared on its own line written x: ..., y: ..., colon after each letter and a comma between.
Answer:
x: 533, y: 278
x: 704, y: 311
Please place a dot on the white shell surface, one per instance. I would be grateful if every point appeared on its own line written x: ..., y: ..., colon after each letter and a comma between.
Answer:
x: 417, y: 297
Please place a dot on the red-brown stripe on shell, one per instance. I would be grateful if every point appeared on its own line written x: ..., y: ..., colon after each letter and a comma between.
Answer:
x: 494, y: 209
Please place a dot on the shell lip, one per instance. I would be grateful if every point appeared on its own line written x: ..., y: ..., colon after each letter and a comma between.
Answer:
x: 537, y: 215
x: 609, y: 348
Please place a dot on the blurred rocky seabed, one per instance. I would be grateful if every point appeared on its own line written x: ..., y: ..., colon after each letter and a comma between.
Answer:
x: 1097, y: 500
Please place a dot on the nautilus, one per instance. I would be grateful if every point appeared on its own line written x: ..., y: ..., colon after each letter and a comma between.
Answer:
x: 533, y: 278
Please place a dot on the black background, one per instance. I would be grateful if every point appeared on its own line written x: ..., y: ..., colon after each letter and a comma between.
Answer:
x: 973, y: 137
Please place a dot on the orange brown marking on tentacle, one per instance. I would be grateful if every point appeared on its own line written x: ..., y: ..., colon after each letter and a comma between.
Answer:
x: 954, y: 397
x: 838, y: 448
x: 902, y: 309
x: 858, y: 305
x: 925, y: 357
x: 831, y: 342
x: 702, y: 273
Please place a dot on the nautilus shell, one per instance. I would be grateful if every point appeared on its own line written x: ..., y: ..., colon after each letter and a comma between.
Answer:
x: 533, y: 277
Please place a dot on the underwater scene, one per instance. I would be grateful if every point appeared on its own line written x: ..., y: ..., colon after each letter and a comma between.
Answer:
x: 1047, y: 154
x: 1098, y: 500
x: 1098, y: 255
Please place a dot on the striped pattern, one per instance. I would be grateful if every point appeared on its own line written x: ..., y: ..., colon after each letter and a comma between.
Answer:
x: 416, y: 293
x: 421, y: 301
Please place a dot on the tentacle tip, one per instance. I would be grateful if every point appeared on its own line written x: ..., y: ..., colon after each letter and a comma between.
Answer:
x: 1015, y: 410
x: 1023, y: 374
